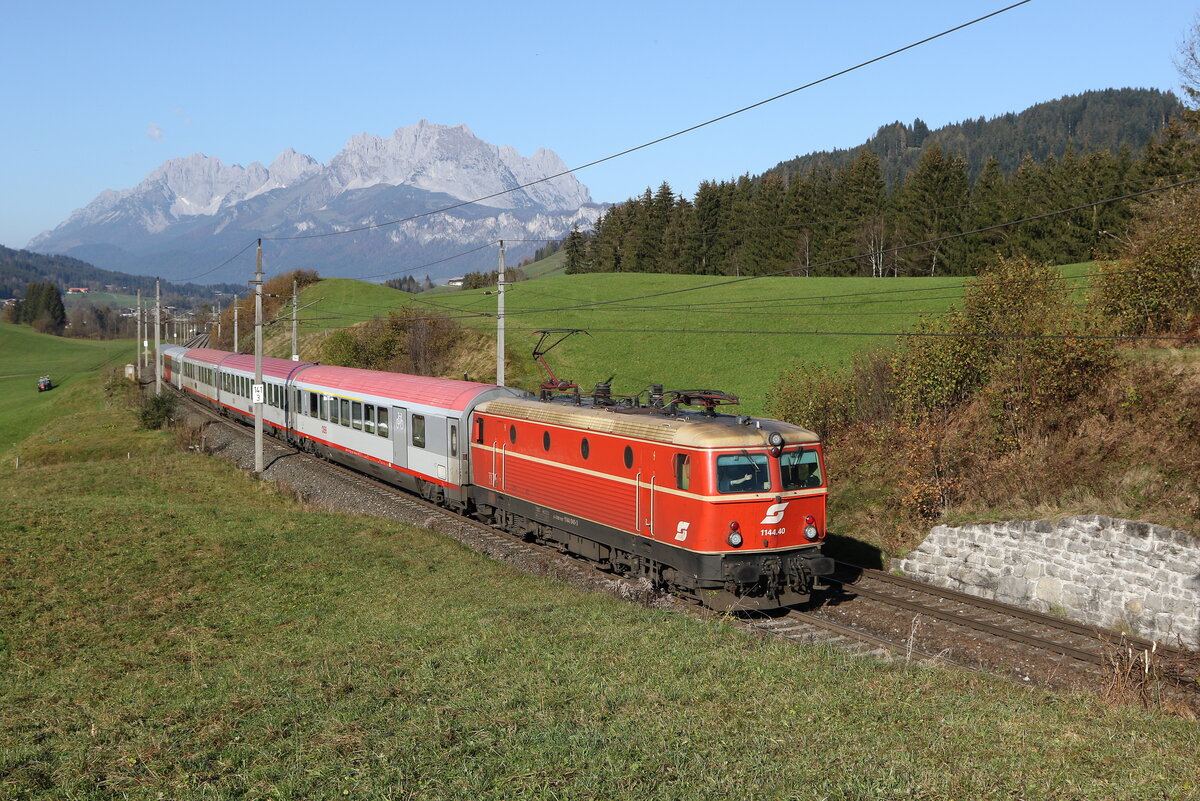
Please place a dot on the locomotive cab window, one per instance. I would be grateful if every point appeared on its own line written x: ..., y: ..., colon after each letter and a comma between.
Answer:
x: 799, y: 469
x: 743, y: 472
x: 683, y: 471
x: 479, y: 429
x: 418, y: 430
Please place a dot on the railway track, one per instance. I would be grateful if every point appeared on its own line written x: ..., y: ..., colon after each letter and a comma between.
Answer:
x: 862, y: 611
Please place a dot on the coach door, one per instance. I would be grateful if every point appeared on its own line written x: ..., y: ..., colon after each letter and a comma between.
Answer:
x: 454, y: 452
x: 399, y: 436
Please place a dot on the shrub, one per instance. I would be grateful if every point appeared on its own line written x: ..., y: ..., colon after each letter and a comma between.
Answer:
x: 408, y: 341
x: 1155, y: 287
x: 157, y: 410
x: 814, y: 397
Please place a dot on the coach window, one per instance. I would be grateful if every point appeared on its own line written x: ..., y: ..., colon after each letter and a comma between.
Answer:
x: 314, y: 405
x: 629, y: 457
x: 333, y: 409
x: 324, y: 407
x: 683, y: 471
x: 382, y: 429
x: 546, y: 440
x: 369, y: 418
x: 418, y: 430
x: 344, y: 416
x: 356, y: 415
x: 584, y: 448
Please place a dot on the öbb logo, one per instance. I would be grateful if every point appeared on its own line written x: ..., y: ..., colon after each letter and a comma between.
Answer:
x: 774, y: 514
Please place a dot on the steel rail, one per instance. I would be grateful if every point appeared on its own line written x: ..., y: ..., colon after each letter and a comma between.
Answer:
x: 1091, y: 632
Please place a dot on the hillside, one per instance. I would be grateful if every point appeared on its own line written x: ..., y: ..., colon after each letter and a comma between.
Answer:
x: 18, y: 268
x: 25, y: 355
x: 734, y: 336
x: 1103, y: 120
x: 179, y: 631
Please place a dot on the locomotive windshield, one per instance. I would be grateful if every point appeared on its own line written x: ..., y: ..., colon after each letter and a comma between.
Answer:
x: 743, y: 472
x: 799, y: 469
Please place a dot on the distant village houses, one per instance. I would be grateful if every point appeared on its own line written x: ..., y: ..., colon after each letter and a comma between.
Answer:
x: 77, y: 290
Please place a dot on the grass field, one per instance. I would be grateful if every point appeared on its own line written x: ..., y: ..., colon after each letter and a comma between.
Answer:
x: 170, y: 628
x: 110, y: 299
x: 694, y: 339
x: 737, y: 337
x: 25, y: 355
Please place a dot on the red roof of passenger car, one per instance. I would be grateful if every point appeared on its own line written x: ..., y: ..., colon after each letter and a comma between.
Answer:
x: 207, y: 355
x: 445, y: 393
x: 275, y: 368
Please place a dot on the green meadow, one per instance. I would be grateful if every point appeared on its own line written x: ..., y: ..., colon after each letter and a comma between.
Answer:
x: 686, y: 332
x: 171, y: 628
x: 25, y: 355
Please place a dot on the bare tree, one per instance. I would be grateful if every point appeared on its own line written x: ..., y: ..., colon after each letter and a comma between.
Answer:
x: 1187, y: 61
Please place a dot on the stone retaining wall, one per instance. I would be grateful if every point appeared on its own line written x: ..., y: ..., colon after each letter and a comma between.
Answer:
x: 1119, y: 574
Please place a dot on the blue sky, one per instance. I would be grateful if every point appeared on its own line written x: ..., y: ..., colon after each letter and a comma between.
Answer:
x: 96, y: 96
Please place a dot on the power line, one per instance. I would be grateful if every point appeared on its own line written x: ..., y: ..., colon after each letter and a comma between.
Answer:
x: 911, y: 334
x: 660, y: 139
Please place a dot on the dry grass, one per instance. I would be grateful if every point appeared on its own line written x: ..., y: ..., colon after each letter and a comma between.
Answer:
x: 1128, y: 450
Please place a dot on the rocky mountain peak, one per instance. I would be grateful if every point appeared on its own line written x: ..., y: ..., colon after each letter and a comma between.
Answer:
x: 188, y: 205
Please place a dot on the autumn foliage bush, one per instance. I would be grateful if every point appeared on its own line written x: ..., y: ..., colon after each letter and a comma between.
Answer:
x: 1155, y: 287
x: 1016, y: 405
x: 410, y: 341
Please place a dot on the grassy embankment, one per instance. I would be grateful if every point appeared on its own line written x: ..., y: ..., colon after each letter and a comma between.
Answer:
x: 174, y: 629
x: 662, y: 339
x: 25, y: 355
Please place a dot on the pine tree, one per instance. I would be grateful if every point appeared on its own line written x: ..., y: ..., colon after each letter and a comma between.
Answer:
x: 768, y: 245
x: 574, y: 252
x: 933, y: 203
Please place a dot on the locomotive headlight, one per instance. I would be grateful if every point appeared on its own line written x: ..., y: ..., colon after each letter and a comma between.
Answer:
x: 775, y: 439
x: 735, y: 539
x: 810, y: 533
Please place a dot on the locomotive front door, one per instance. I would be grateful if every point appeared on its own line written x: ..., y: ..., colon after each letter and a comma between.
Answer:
x: 400, y: 436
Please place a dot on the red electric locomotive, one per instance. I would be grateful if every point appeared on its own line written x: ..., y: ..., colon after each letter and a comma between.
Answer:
x: 729, y: 510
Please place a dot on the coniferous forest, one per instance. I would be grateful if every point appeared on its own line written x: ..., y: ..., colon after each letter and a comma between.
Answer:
x: 905, y: 202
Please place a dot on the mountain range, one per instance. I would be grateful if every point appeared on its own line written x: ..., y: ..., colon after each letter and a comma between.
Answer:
x: 192, y: 213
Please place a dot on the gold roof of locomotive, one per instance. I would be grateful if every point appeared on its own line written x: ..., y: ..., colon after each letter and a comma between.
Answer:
x: 688, y: 429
